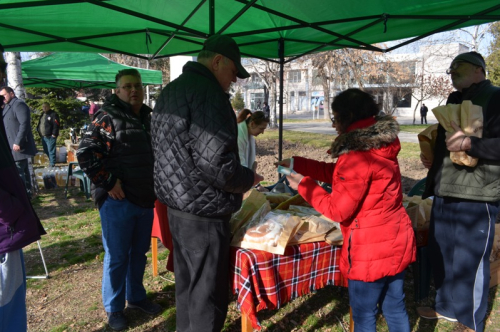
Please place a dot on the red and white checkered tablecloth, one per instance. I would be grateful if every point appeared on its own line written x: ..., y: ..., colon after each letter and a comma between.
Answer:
x: 263, y: 280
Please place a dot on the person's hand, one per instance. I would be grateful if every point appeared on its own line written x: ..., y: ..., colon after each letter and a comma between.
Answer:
x: 457, y: 141
x: 16, y: 147
x: 257, y: 178
x: 426, y: 162
x: 284, y: 163
x: 254, y: 166
x: 117, y: 191
x: 261, y: 189
x: 294, y: 180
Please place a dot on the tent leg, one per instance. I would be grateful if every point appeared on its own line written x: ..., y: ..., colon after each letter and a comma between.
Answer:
x: 46, y: 276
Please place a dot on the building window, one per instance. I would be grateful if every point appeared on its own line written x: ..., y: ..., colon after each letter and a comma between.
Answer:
x: 256, y: 78
x: 294, y: 76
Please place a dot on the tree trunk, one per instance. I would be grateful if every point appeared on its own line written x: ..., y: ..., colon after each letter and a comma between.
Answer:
x: 14, y: 74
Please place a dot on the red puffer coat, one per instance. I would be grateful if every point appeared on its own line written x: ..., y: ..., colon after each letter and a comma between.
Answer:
x: 366, y: 199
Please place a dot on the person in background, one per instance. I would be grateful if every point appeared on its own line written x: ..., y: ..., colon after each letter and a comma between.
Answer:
x: 19, y: 226
x: 366, y: 199
x: 250, y: 125
x: 93, y: 109
x: 17, y: 121
x: 466, y: 200
x: 423, y: 114
x: 48, y: 129
x: 116, y: 154
x: 198, y: 175
x: 266, y: 110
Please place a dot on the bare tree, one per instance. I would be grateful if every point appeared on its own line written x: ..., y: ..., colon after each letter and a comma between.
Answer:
x: 14, y: 74
x: 268, y: 72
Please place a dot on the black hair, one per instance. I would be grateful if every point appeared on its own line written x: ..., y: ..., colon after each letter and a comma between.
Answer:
x: 8, y: 89
x: 126, y: 72
x: 353, y: 105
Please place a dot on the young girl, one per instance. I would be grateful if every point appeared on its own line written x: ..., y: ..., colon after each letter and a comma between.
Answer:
x: 249, y: 125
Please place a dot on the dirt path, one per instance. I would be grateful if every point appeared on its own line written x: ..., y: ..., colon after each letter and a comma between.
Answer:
x: 267, y: 150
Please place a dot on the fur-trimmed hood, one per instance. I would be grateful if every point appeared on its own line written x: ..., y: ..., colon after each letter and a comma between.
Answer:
x: 383, y: 132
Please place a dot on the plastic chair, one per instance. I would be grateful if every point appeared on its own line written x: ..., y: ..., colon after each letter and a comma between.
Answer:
x: 282, y: 186
x: 79, y: 174
x: 418, y: 189
x: 421, y: 268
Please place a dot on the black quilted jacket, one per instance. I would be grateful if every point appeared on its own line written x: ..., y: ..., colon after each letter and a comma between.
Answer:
x: 194, y: 132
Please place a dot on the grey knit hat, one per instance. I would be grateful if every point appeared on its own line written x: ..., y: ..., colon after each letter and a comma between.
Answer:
x: 471, y: 57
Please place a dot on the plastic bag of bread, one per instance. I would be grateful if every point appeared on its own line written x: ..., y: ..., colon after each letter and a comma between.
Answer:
x: 253, y: 200
x: 270, y: 232
x: 469, y: 117
x: 427, y: 141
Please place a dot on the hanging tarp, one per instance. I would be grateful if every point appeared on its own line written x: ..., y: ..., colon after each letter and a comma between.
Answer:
x: 78, y: 70
x: 149, y: 28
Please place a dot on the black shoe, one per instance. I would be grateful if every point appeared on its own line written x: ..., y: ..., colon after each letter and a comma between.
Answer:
x: 117, y: 320
x: 147, y: 306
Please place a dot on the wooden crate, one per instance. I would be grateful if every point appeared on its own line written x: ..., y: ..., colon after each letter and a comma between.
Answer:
x: 495, y: 273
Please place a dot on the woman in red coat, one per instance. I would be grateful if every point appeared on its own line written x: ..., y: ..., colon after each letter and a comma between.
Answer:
x: 366, y: 199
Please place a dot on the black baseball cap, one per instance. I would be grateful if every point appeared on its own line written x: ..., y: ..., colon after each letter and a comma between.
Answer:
x: 226, y: 46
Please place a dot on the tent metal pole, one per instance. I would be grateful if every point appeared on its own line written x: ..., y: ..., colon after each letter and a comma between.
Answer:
x: 281, y: 51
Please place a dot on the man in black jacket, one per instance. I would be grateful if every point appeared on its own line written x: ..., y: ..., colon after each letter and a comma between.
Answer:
x: 48, y: 129
x: 116, y: 154
x: 199, y: 177
x: 423, y: 114
x: 466, y: 201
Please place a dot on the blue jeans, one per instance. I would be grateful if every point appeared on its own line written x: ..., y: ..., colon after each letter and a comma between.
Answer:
x: 386, y: 294
x: 13, y: 295
x: 49, y: 147
x: 126, y: 237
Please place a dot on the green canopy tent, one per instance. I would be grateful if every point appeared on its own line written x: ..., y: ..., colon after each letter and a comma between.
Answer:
x: 156, y: 28
x: 279, y: 30
x: 78, y: 70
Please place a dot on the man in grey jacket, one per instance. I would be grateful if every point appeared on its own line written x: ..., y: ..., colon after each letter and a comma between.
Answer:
x: 199, y: 177
x: 17, y: 120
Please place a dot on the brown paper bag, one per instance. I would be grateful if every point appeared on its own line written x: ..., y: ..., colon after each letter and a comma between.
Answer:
x: 313, y: 229
x: 253, y: 200
x: 419, y: 211
x: 469, y: 117
x: 427, y: 141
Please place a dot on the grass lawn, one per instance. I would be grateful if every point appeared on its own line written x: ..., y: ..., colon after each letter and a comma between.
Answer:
x: 70, y: 300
